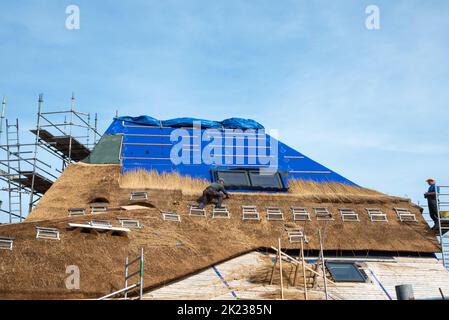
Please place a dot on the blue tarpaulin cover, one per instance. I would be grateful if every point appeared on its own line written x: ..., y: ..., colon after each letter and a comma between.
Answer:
x: 239, y: 123
x: 232, y: 123
x: 188, y: 122
x: 150, y: 147
x: 145, y: 120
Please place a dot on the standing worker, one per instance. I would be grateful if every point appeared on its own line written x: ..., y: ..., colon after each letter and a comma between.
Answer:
x: 215, y: 191
x: 431, y: 196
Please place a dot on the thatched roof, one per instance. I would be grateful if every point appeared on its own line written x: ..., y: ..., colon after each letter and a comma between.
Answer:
x: 173, y: 249
x: 82, y: 184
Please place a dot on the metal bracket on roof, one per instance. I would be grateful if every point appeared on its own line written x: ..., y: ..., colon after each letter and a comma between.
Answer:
x: 47, y: 233
x: 274, y: 214
x: 250, y: 213
x: 73, y: 212
x: 98, y: 208
x: 295, y: 235
x: 130, y: 223
x: 197, y: 211
x: 348, y: 215
x: 300, y: 214
x: 170, y: 216
x: 101, y: 223
x: 222, y: 212
x: 323, y: 214
x: 405, y: 215
x: 376, y: 214
x: 6, y: 243
x: 138, y: 195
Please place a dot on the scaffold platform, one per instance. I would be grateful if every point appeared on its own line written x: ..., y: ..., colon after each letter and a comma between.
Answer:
x: 61, y: 144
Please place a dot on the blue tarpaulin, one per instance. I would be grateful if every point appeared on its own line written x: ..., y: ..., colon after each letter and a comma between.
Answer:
x: 150, y: 148
x: 231, y: 123
x: 188, y: 122
x: 144, y: 120
x: 239, y: 123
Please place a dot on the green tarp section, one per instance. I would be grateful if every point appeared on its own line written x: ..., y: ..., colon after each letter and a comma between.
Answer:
x: 107, y: 150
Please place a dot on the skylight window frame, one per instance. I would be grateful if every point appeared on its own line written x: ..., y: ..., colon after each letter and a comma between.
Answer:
x: 276, y: 175
x: 363, y: 276
x: 245, y: 172
x: 251, y: 186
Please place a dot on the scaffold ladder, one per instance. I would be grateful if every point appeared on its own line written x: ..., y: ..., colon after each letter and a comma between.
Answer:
x: 442, y: 197
x: 13, y: 161
x: 138, y: 273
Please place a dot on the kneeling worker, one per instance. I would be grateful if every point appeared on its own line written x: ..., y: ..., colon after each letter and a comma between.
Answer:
x: 214, y: 191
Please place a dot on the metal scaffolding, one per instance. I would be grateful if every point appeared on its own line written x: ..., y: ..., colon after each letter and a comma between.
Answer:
x: 29, y: 168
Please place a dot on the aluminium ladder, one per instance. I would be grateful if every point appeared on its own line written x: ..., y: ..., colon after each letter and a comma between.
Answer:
x: 442, y: 197
x: 13, y: 161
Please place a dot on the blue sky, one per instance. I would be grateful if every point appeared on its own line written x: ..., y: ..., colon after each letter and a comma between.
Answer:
x: 371, y: 105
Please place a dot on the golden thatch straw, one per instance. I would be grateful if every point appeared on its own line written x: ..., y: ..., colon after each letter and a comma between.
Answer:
x: 188, y: 185
x: 307, y: 187
x: 165, y: 181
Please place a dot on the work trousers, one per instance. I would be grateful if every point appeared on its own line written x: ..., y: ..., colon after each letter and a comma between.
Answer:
x: 433, y: 209
x: 208, y: 195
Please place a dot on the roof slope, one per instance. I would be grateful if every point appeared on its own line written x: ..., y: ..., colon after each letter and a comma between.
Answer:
x: 81, y: 184
x: 151, y: 148
x: 181, y: 248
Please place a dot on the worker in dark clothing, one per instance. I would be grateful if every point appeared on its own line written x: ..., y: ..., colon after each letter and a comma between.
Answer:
x: 431, y: 196
x: 215, y: 191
